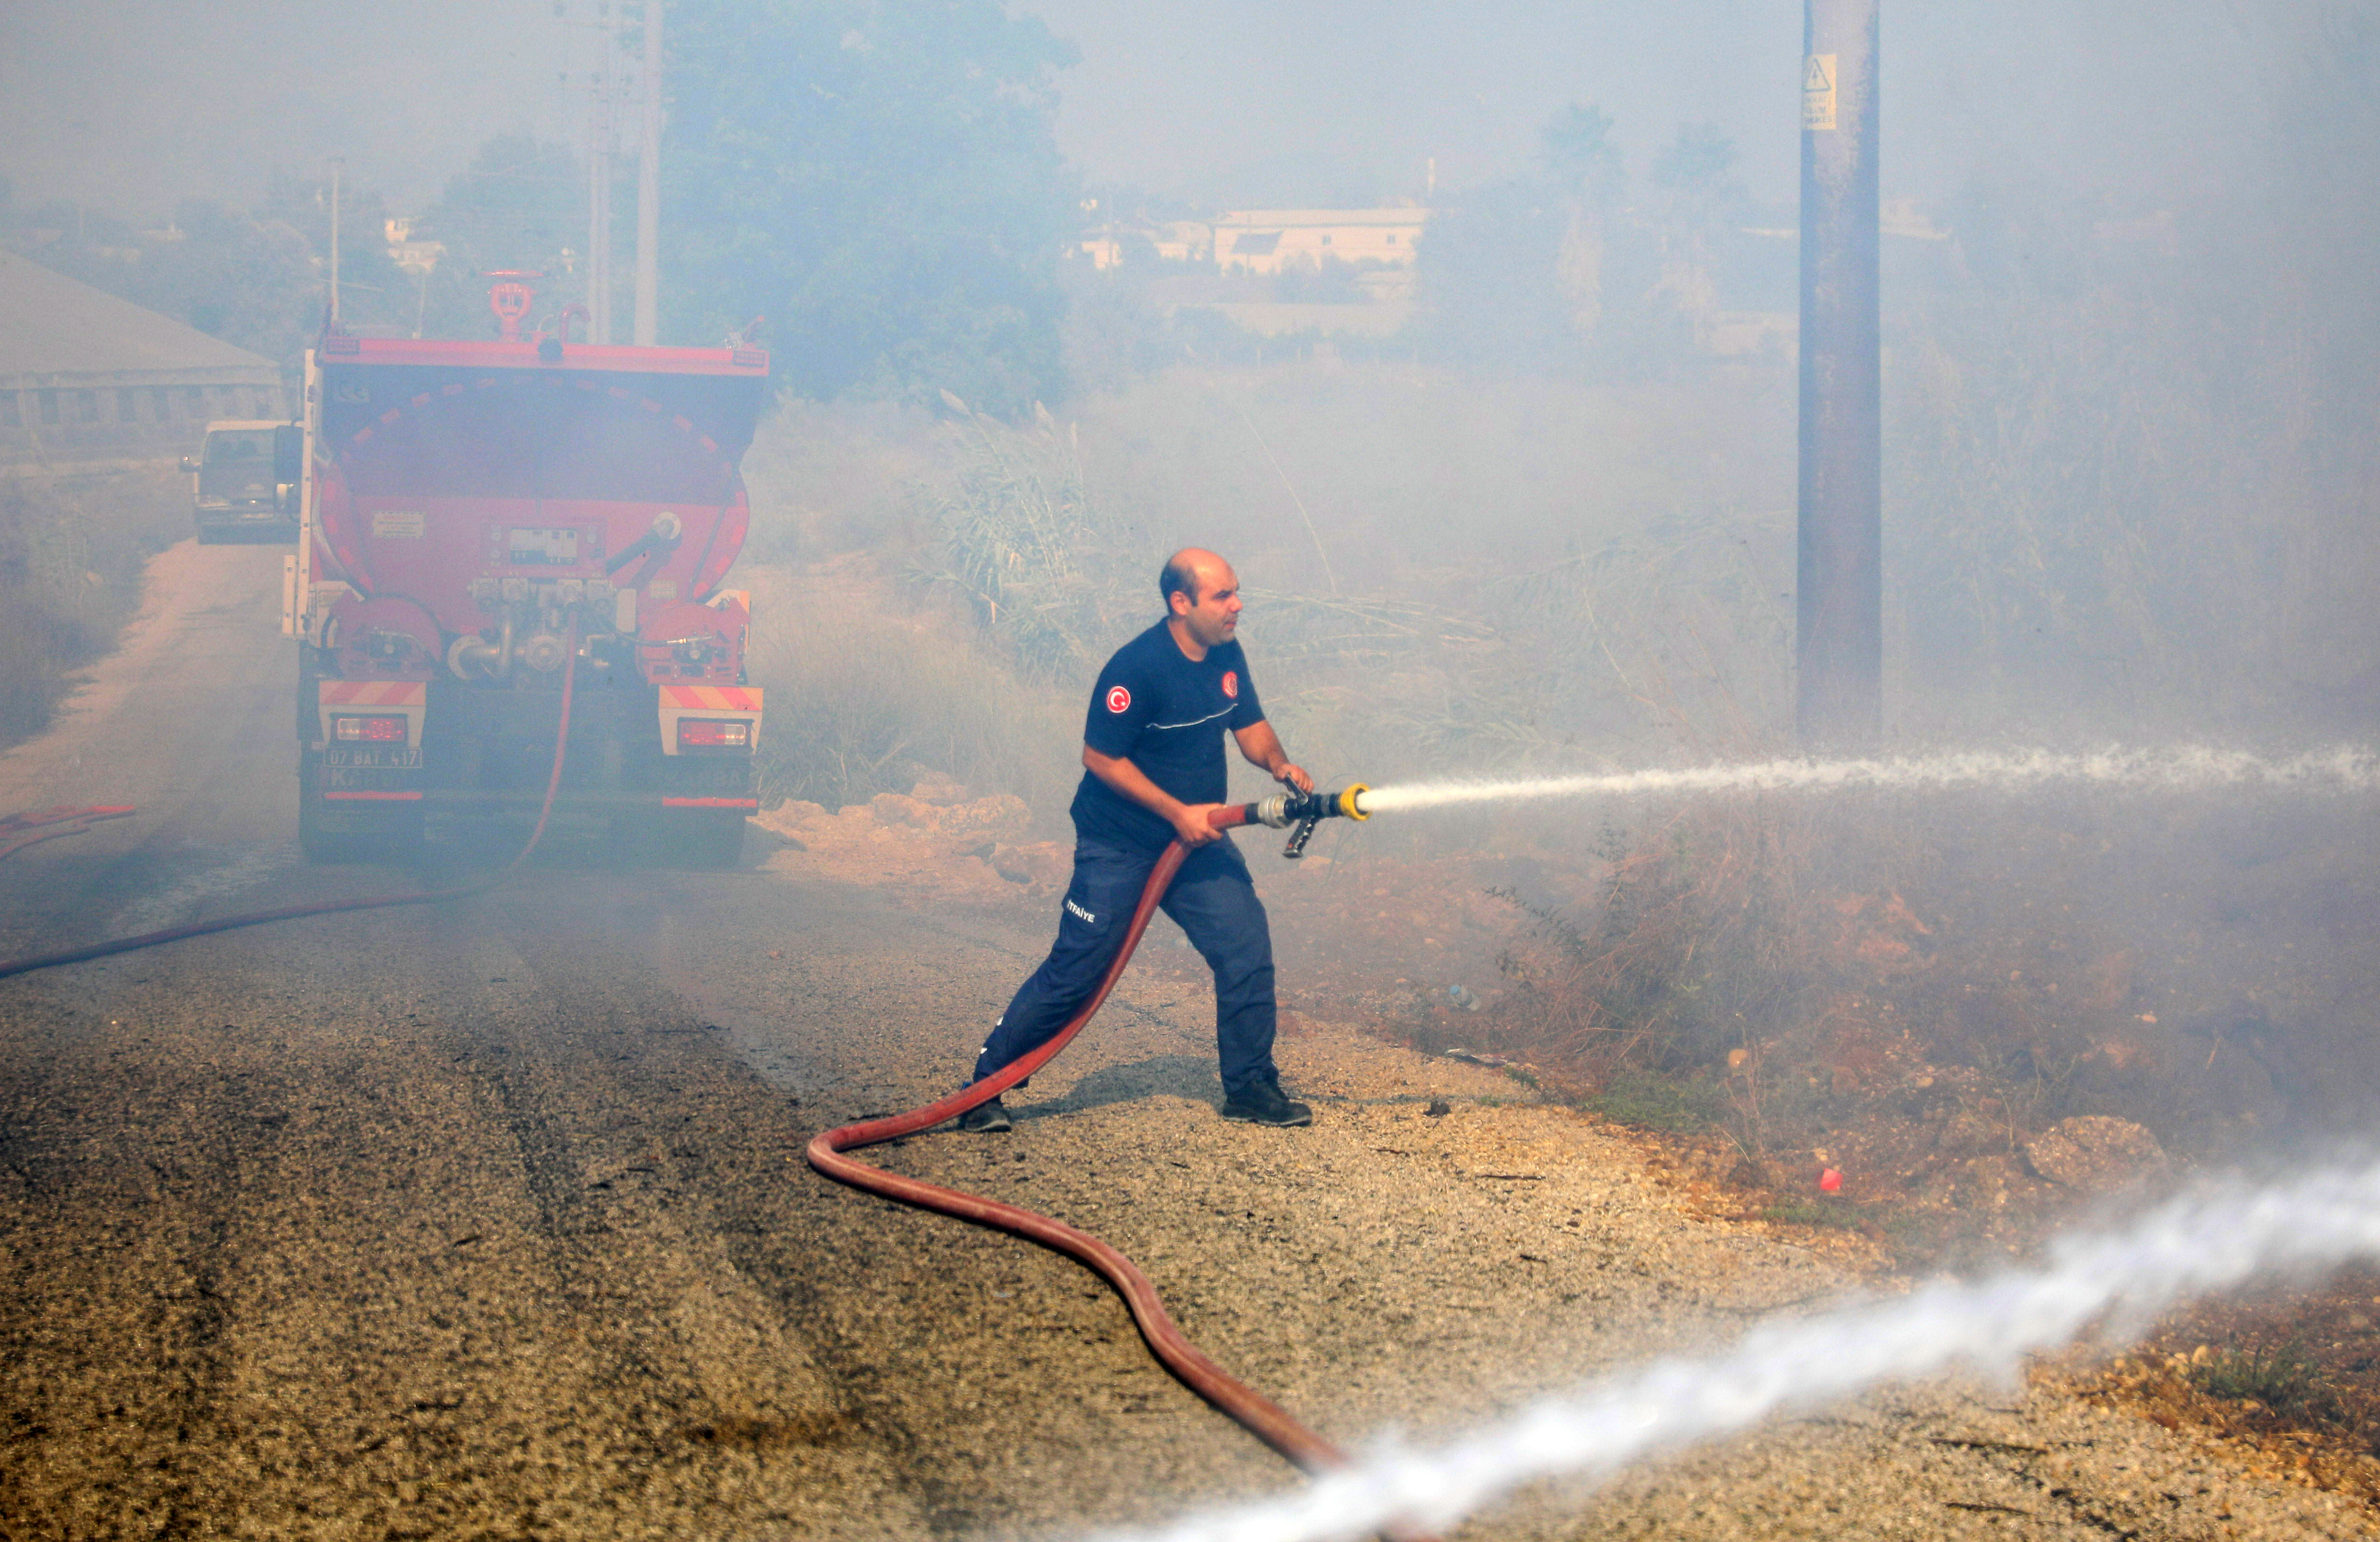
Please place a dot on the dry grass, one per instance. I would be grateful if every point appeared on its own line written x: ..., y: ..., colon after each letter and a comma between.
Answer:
x: 1918, y: 992
x: 1054, y: 577
x: 867, y: 694
x: 71, y: 551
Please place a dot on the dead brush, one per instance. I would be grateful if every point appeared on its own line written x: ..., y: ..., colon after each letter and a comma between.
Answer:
x: 1695, y: 949
x: 1753, y: 954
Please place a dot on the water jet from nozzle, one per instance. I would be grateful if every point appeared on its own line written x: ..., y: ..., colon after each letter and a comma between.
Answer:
x: 2191, y: 768
x: 2108, y: 1285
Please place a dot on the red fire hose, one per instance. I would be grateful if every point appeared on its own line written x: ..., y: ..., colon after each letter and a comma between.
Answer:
x: 1263, y: 1418
x: 32, y: 827
x: 330, y: 907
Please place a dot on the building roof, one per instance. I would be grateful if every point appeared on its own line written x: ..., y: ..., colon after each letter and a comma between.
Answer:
x: 53, y: 325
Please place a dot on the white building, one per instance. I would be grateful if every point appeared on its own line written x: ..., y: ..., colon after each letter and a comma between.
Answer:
x: 1265, y: 240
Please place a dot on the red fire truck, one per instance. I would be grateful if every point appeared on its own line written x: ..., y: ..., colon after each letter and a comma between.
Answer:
x: 477, y: 516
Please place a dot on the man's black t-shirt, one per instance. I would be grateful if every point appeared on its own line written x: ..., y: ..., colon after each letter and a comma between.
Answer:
x: 1166, y: 714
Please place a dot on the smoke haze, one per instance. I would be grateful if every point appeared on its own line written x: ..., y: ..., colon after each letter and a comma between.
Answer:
x: 1509, y: 475
x: 133, y: 105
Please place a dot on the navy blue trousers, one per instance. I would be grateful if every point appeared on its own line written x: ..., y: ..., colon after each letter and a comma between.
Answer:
x: 1214, y: 902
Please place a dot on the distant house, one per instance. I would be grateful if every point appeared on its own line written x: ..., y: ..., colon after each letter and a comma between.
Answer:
x: 1265, y: 240
x: 1170, y: 241
x: 416, y: 256
x: 1184, y: 241
x: 1378, y: 244
x: 87, y: 379
x: 1106, y: 245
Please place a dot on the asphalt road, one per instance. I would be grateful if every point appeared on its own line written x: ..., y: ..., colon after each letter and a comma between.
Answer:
x: 488, y: 1219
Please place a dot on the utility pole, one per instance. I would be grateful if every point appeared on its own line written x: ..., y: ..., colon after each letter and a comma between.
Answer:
x: 338, y: 165
x: 649, y: 186
x: 599, y: 181
x: 1838, y: 644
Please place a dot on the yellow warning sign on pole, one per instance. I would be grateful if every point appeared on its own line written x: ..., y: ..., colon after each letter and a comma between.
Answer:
x: 1818, y: 91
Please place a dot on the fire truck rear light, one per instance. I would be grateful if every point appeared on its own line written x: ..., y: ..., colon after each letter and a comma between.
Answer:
x: 713, y: 734
x: 372, y: 730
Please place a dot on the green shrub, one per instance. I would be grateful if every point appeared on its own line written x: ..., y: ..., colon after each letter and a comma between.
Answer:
x: 2282, y: 1378
x: 1647, y: 1100
x: 1044, y: 569
x: 1812, y: 1212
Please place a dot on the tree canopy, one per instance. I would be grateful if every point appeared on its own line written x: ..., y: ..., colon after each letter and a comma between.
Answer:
x: 521, y: 204
x: 1563, y: 270
x: 881, y: 179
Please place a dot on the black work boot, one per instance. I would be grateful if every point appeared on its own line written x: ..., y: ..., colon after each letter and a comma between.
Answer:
x: 1262, y: 1103
x: 986, y: 1119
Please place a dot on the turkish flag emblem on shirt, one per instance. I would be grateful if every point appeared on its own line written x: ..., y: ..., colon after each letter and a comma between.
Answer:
x: 1232, y: 683
x: 1118, y: 698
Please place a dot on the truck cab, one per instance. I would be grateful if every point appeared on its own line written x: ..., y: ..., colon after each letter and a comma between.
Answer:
x: 244, y: 480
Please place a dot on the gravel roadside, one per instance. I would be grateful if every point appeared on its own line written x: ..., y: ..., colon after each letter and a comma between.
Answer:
x: 492, y: 1222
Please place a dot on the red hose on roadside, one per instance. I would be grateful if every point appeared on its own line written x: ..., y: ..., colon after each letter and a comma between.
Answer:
x: 329, y: 908
x: 1262, y: 1417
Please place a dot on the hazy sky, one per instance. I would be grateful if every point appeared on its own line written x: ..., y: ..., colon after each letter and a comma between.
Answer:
x: 134, y: 104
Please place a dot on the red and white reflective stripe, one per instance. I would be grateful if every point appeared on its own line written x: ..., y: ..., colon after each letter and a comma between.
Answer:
x: 713, y: 699
x: 374, y: 797
x: 678, y: 701
x: 710, y: 802
x: 373, y: 693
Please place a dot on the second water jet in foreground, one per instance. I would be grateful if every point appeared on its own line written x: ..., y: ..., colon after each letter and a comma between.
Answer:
x: 2187, y: 767
x: 2116, y: 1282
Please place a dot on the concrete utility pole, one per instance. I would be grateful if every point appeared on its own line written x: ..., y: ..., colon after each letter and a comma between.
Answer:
x: 649, y: 186
x: 339, y: 164
x: 599, y: 186
x: 1840, y: 631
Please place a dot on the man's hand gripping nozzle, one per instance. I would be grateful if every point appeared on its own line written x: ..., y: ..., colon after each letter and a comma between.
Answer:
x: 1304, y: 811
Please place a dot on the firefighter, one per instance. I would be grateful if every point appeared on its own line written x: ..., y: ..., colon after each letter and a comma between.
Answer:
x: 1153, y: 767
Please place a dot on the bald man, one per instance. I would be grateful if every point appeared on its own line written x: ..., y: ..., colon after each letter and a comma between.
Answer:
x: 1153, y: 767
